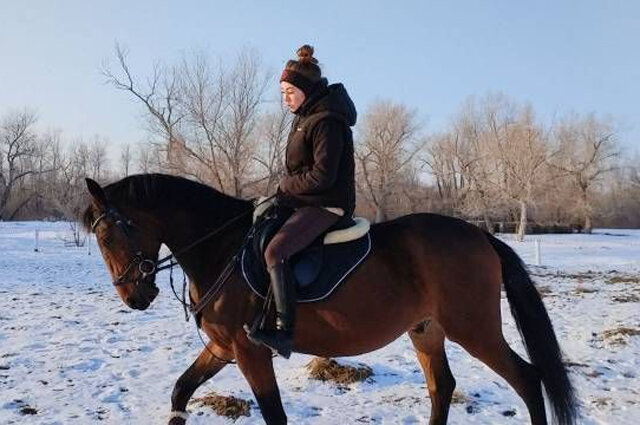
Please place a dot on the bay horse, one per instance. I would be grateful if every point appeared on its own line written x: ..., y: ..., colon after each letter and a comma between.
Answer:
x: 431, y: 276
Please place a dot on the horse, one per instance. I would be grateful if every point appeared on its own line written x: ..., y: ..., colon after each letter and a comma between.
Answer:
x: 431, y: 276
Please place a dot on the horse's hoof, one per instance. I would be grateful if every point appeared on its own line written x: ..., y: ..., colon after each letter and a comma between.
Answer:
x: 178, y: 418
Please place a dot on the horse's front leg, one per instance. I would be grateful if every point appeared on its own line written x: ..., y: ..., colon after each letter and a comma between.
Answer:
x: 202, y: 369
x: 257, y: 367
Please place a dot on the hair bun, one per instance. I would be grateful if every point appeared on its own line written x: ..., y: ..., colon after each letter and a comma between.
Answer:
x: 305, y: 55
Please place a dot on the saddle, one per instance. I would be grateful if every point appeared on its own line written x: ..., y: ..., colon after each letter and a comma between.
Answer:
x: 316, y: 270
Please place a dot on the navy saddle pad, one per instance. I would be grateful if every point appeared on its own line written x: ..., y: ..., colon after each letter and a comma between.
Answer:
x: 317, y: 269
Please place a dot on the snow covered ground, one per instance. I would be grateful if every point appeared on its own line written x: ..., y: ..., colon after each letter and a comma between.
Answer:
x: 71, y: 352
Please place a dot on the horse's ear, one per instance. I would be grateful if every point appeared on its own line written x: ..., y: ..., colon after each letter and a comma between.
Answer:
x: 96, y: 192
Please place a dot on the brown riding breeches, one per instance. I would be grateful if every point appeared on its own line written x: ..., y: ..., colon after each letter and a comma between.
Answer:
x: 302, y: 228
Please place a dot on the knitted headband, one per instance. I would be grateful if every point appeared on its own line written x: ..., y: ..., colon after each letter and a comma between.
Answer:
x: 303, y: 73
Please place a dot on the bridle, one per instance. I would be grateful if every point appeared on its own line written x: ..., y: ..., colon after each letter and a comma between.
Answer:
x: 146, y: 266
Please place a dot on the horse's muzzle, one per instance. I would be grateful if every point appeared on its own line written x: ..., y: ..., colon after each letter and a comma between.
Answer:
x: 143, y: 296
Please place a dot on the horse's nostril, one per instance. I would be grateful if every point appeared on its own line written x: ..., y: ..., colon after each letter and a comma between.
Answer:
x: 131, y: 302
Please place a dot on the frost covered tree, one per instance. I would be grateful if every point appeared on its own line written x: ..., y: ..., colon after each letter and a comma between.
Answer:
x: 18, y: 148
x: 585, y: 150
x: 386, y: 144
x: 204, y: 116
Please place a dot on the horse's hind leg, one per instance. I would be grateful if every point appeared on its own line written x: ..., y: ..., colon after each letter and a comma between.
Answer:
x: 202, y: 369
x: 522, y: 376
x: 428, y: 340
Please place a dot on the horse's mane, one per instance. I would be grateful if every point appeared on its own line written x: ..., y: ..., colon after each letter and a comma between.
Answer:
x: 148, y: 191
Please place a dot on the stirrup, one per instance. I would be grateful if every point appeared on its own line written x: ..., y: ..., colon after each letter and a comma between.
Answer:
x: 251, y: 331
x: 278, y: 341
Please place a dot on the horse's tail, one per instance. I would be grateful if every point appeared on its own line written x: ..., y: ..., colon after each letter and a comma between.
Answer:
x: 537, y: 331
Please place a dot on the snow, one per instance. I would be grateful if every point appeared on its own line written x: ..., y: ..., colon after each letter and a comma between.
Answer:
x: 71, y: 350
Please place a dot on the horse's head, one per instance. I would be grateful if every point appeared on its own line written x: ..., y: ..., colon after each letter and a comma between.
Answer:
x: 129, y: 247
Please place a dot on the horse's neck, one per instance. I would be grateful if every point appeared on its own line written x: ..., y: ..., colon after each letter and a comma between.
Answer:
x: 204, y: 262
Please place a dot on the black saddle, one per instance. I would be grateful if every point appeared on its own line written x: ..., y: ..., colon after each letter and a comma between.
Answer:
x: 317, y: 269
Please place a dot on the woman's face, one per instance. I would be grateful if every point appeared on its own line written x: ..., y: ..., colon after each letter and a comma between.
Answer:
x: 291, y: 96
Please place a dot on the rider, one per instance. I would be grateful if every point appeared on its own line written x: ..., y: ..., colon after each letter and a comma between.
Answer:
x: 319, y: 183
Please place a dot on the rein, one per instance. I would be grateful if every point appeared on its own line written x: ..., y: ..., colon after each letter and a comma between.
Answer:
x: 173, y: 256
x: 222, y: 278
x: 148, y: 267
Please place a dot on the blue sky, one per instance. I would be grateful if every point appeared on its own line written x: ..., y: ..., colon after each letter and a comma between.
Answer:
x: 562, y: 56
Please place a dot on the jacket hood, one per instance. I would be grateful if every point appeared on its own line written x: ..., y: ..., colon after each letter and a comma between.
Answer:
x: 330, y: 98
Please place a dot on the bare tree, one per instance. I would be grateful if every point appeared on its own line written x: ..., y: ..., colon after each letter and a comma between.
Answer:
x: 585, y: 148
x: 79, y: 156
x: 17, y: 146
x: 143, y: 158
x: 387, y: 143
x: 463, y: 163
x: 34, y: 189
x: 477, y: 161
x: 125, y: 159
x: 206, y: 116
x: 491, y: 161
x: 223, y: 109
x: 442, y: 159
x: 205, y: 96
x: 97, y: 157
x: 416, y: 194
x: 635, y: 176
x: 238, y: 141
x: 160, y: 97
x: 272, y: 145
x: 66, y: 192
x: 521, y: 149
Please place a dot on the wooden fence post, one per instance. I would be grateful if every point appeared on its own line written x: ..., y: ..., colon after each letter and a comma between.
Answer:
x: 538, y: 258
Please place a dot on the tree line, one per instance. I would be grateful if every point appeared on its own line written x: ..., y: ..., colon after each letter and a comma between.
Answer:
x: 495, y: 164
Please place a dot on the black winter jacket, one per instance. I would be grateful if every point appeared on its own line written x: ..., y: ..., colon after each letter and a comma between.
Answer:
x: 319, y: 158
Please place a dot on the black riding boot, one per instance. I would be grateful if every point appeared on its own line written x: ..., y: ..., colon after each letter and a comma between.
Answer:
x: 280, y: 339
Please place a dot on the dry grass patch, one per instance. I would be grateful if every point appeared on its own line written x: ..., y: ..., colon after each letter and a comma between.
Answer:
x: 619, y: 335
x: 330, y: 370
x: 594, y: 374
x: 403, y: 400
x: 580, y: 276
x: 631, y: 298
x: 587, y: 276
x: 601, y: 402
x: 228, y: 406
x: 28, y: 410
x: 623, y: 279
x: 582, y: 290
x: 459, y: 398
x: 544, y: 291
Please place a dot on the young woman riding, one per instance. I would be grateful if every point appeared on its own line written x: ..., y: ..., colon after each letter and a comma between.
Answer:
x: 319, y: 183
